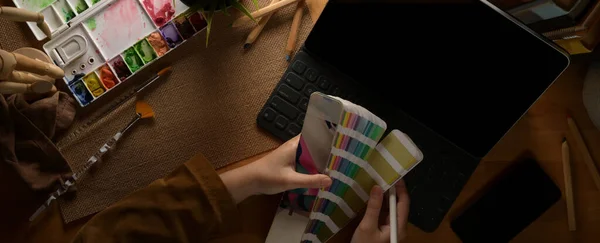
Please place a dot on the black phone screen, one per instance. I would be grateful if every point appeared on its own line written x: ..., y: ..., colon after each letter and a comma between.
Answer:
x: 519, y: 197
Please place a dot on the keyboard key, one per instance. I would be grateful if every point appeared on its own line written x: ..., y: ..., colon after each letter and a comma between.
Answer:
x: 288, y: 93
x: 281, y: 122
x: 303, y: 104
x: 309, y: 89
x: 311, y: 75
x: 300, y: 119
x: 285, y: 108
x: 293, y: 129
x: 299, y: 67
x: 269, y: 114
x: 324, y: 83
x: 294, y: 80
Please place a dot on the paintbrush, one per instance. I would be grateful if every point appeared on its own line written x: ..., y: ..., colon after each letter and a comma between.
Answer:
x: 142, y: 111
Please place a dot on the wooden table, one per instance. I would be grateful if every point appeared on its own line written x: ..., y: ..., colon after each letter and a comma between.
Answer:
x: 540, y: 131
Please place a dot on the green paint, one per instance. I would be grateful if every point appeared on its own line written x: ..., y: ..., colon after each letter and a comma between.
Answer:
x: 132, y: 60
x: 145, y: 51
x: 36, y: 5
x: 81, y: 6
x: 95, y: 1
x: 69, y: 14
x: 91, y: 23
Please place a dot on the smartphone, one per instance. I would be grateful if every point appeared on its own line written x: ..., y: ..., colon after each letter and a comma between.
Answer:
x: 521, y: 194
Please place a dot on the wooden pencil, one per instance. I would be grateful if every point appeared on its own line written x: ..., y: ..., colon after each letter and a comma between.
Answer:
x: 258, y: 29
x: 293, y: 38
x: 262, y: 12
x: 568, y: 186
x: 587, y: 158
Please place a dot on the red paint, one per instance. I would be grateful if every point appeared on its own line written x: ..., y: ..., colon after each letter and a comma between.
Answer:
x: 163, y: 14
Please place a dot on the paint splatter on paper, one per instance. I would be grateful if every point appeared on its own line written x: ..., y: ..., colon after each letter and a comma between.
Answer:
x: 171, y: 35
x: 120, y: 68
x: 145, y: 51
x: 93, y: 83
x: 81, y: 6
x: 81, y: 92
x: 185, y: 28
x: 161, y: 11
x: 119, y: 26
x: 107, y: 77
x: 158, y: 43
x: 34, y: 5
x: 133, y: 60
x: 197, y: 21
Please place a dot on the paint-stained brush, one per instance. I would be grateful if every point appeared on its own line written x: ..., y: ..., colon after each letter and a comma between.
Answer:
x: 142, y: 111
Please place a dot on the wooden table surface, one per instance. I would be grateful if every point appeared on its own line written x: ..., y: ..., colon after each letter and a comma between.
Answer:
x: 540, y: 131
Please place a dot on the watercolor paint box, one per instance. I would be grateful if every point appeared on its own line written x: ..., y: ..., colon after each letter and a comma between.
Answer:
x: 115, y: 39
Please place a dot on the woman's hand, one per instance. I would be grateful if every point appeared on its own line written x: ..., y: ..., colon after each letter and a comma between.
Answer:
x: 369, y: 229
x: 271, y: 174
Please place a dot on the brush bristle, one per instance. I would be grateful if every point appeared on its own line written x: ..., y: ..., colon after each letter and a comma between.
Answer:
x: 164, y: 71
x: 144, y: 109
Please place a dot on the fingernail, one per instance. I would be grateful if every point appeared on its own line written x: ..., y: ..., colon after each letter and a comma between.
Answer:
x: 325, y: 182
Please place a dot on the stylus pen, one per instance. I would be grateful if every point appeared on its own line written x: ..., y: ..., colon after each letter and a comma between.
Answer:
x: 393, y: 216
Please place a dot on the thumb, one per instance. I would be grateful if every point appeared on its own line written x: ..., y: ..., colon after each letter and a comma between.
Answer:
x: 299, y: 180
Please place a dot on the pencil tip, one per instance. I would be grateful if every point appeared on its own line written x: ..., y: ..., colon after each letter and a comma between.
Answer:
x: 287, y: 58
x: 564, y: 139
x: 247, y: 46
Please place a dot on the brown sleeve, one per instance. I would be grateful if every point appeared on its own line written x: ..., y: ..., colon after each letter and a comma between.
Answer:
x: 189, y: 205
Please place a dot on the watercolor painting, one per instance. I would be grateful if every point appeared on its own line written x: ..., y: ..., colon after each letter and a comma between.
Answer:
x: 132, y: 60
x: 185, y: 27
x: 34, y: 5
x: 145, y: 51
x: 119, y: 26
x: 120, y: 68
x: 197, y: 21
x: 160, y: 11
x: 171, y: 35
x: 158, y: 43
x: 107, y: 77
x: 81, y: 93
x: 93, y: 83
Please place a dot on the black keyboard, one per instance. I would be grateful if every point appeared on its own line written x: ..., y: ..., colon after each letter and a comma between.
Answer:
x: 283, y: 114
x: 433, y: 185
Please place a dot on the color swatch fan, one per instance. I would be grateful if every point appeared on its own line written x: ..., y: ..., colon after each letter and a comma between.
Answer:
x: 341, y: 139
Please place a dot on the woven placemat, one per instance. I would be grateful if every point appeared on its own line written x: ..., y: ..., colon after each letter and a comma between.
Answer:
x: 208, y: 104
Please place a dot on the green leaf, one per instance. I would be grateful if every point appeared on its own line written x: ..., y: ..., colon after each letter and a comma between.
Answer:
x: 243, y: 9
x: 224, y: 8
x: 208, y: 17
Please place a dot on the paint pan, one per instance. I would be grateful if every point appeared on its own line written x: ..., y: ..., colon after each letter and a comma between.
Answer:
x: 79, y: 5
x: 160, y: 11
x: 184, y: 27
x: 81, y: 92
x: 132, y: 60
x: 171, y: 35
x: 93, y: 2
x: 52, y: 18
x: 120, y: 68
x: 64, y: 10
x: 145, y: 51
x: 108, y: 78
x: 197, y: 21
x: 93, y: 83
x: 33, y: 5
x: 158, y: 43
x: 119, y: 26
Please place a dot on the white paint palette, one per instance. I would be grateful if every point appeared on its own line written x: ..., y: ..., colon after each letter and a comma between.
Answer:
x: 107, y: 43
